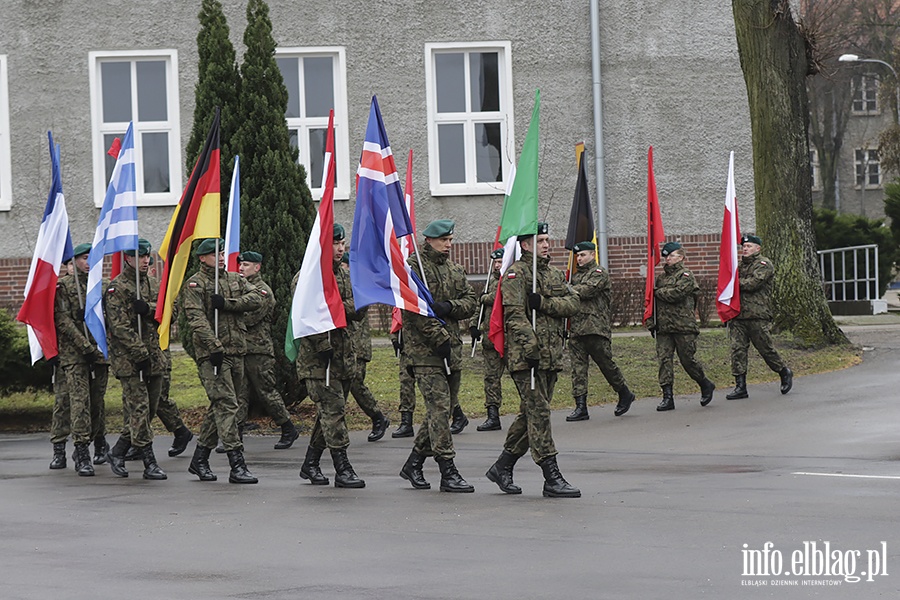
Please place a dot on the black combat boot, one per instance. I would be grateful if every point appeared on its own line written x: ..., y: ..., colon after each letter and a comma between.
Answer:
x: 740, y: 388
x: 59, y: 456
x: 707, y: 388
x: 492, y: 422
x: 151, y: 469
x: 344, y: 475
x: 787, y: 380
x: 501, y: 473
x: 555, y: 486
x: 183, y: 435
x: 100, y: 450
x: 239, y: 472
x: 459, y: 421
x: 581, y: 412
x: 380, y: 423
x: 412, y: 471
x: 310, y: 469
x: 289, y: 433
x: 451, y: 480
x: 405, y: 429
x: 133, y: 454
x: 200, y: 464
x: 668, y: 400
x: 626, y: 397
x: 116, y: 457
x: 82, y: 458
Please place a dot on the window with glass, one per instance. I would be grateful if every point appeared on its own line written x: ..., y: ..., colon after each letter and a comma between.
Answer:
x: 5, y: 156
x: 868, y: 168
x: 316, y: 81
x: 865, y: 94
x: 470, y: 117
x: 141, y: 88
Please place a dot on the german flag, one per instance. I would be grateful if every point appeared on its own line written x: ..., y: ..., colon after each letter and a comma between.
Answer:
x: 581, y: 219
x: 196, y: 217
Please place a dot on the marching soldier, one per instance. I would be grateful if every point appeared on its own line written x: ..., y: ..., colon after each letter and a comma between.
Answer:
x: 430, y: 345
x: 83, y: 366
x: 332, y: 351
x: 259, y: 363
x: 756, y: 276
x: 137, y: 360
x: 493, y: 362
x: 407, y: 390
x: 676, y: 326
x: 536, y: 350
x: 589, y: 333
x: 60, y: 423
x: 219, y: 355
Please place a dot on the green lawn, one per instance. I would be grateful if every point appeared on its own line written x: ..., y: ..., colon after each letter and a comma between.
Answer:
x: 635, y: 355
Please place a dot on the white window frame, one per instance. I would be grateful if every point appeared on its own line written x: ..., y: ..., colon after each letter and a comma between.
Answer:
x: 506, y: 117
x: 5, y: 146
x: 172, y: 126
x: 865, y: 163
x: 815, y: 170
x: 863, y: 80
x: 341, y: 119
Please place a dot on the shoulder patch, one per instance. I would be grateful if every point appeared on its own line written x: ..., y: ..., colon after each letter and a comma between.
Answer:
x: 762, y: 262
x: 598, y: 270
x: 686, y: 274
x: 192, y: 284
x: 111, y: 290
x: 510, y: 275
x: 263, y: 292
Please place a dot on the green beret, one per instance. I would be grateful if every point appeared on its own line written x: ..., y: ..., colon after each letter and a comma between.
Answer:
x: 82, y: 249
x: 498, y: 253
x: 339, y: 232
x: 670, y: 247
x: 346, y: 258
x: 751, y: 238
x: 543, y: 228
x: 208, y: 246
x: 439, y: 228
x: 143, y: 248
x: 581, y: 246
x: 250, y: 256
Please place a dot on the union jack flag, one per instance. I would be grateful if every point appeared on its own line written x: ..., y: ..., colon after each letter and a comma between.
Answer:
x: 378, y: 271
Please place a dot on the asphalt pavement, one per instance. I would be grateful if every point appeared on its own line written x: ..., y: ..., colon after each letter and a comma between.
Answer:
x: 699, y: 502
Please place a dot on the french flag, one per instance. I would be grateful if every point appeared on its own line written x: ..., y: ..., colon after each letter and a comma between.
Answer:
x: 233, y: 224
x: 53, y: 247
x: 728, y: 293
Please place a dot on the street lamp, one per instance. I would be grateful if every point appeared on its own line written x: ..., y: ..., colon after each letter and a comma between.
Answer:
x: 855, y: 58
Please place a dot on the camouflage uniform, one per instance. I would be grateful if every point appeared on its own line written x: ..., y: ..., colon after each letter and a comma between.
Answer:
x: 407, y: 381
x: 140, y: 395
x: 222, y: 388
x: 259, y: 362
x: 589, y: 330
x: 756, y: 276
x: 677, y: 330
x: 423, y: 335
x: 361, y: 337
x: 493, y: 362
x: 61, y: 419
x: 167, y: 410
x: 531, y: 427
x: 84, y: 369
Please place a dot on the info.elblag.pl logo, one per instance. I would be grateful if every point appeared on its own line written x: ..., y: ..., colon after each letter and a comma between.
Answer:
x: 814, y: 563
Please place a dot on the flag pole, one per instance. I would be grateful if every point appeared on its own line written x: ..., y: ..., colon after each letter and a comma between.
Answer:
x: 533, y: 291
x: 137, y: 294
x: 425, y: 281
x: 216, y: 310
x: 487, y: 284
x: 328, y: 365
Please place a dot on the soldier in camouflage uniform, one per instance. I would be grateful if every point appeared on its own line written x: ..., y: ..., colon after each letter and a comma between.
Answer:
x: 137, y: 360
x: 534, y: 351
x: 589, y: 333
x: 431, y: 348
x: 407, y: 389
x: 675, y: 293
x: 331, y: 352
x: 259, y: 363
x: 361, y: 336
x: 219, y: 355
x: 83, y: 366
x: 493, y: 362
x: 60, y: 423
x: 756, y: 276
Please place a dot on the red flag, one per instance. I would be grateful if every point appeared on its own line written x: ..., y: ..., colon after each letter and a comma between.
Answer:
x: 655, y: 236
x: 728, y: 292
x: 114, y: 148
x: 116, y: 265
x: 405, y: 243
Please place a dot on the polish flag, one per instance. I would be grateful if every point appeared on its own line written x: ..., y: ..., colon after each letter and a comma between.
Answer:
x: 728, y: 293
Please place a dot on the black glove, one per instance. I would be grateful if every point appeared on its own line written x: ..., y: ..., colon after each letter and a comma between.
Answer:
x: 565, y: 334
x: 441, y: 309
x: 217, y: 301
x: 140, y: 307
x: 443, y: 351
x: 216, y: 358
x: 533, y: 363
x: 53, y: 362
x: 398, y: 347
x: 325, y: 355
x: 91, y: 356
x: 534, y: 300
x: 143, y: 367
x: 410, y: 371
x: 475, y: 333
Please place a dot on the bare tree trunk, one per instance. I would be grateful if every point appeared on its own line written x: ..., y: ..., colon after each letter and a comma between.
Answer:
x: 775, y: 64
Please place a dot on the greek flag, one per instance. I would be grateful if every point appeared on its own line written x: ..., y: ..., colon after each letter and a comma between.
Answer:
x: 117, y: 230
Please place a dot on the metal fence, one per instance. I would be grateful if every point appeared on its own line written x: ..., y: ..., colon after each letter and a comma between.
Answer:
x: 850, y: 273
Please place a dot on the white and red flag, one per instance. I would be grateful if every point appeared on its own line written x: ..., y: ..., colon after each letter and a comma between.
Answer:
x: 317, y: 306
x: 728, y: 292
x: 53, y: 246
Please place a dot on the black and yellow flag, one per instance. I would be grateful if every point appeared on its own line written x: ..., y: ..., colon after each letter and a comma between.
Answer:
x: 581, y: 219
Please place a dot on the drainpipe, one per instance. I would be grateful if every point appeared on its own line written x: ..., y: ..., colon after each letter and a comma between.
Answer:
x: 602, y: 237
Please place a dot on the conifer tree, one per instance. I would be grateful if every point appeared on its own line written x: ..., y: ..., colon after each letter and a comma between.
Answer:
x: 276, y: 205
